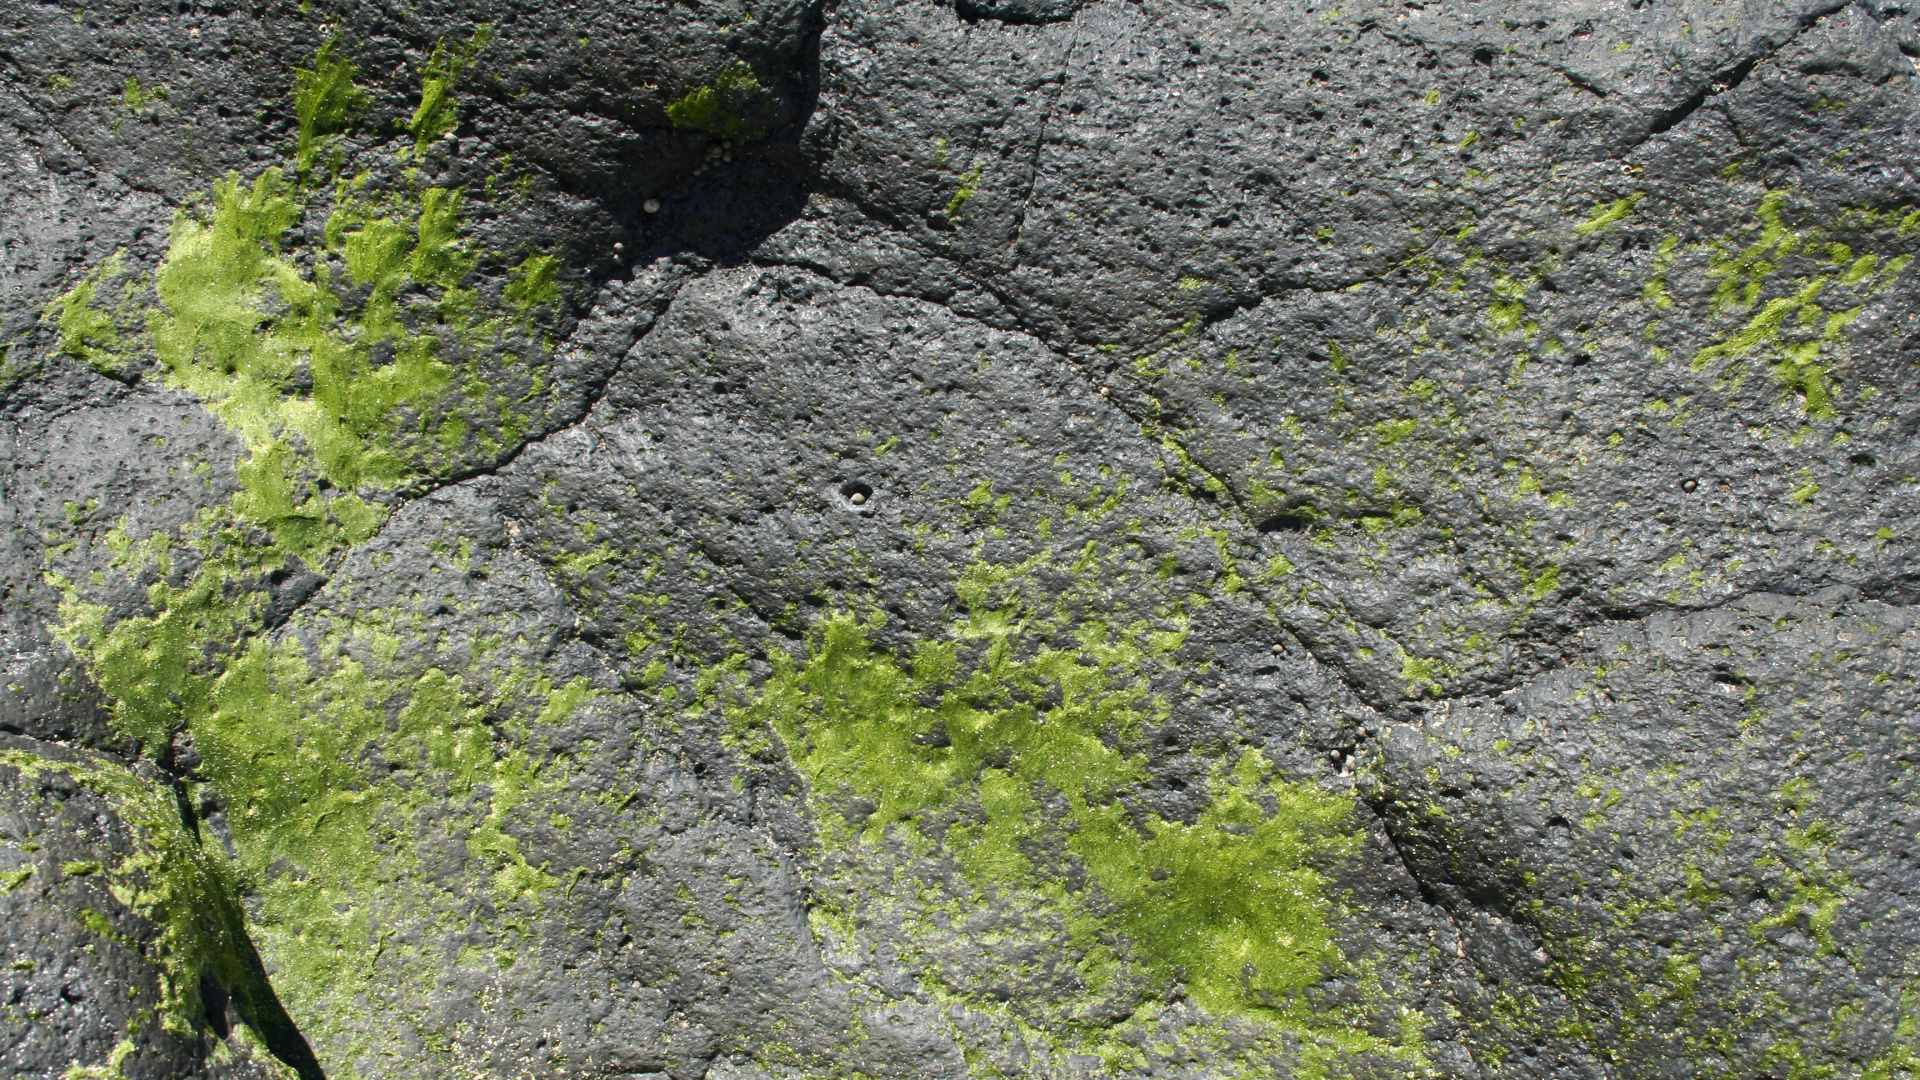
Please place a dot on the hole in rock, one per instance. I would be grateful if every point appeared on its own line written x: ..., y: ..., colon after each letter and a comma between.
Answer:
x: 1286, y: 521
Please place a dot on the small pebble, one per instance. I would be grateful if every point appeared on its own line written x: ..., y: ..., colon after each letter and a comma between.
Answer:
x: 651, y: 206
x: 1278, y: 648
x: 1106, y: 390
x: 858, y: 498
x: 1689, y: 484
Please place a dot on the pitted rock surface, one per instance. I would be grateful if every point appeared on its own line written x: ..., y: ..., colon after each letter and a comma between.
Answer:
x: 1003, y: 538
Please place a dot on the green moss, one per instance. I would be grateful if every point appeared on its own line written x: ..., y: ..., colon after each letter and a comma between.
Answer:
x: 342, y: 335
x: 87, y: 333
x: 168, y: 879
x: 1901, y: 1058
x: 969, y: 183
x: 439, y: 110
x: 533, y: 284
x: 1605, y: 214
x: 325, y: 101
x: 288, y: 739
x: 721, y: 108
x: 1390, y: 432
x: 1509, y: 309
x: 1022, y: 730
x: 114, y: 1069
x: 326, y: 758
x: 341, y: 383
x: 1655, y: 291
x: 1794, y: 332
x: 136, y: 97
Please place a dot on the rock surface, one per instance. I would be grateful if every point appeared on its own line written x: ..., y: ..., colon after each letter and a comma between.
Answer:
x: 1021, y: 538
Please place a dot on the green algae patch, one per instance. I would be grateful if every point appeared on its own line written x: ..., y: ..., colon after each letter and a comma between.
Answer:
x: 1605, y: 215
x: 439, y: 110
x: 332, y: 400
x: 363, y: 347
x: 1801, y: 331
x: 187, y: 894
x: 241, y: 324
x: 533, y: 284
x: 338, y: 766
x: 326, y: 102
x: 329, y: 759
x: 154, y: 668
x: 962, y: 195
x: 343, y: 329
x: 350, y: 370
x: 724, y: 107
x: 1014, y: 747
x: 88, y: 333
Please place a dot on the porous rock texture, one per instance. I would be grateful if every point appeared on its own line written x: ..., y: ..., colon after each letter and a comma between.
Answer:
x: 1012, y: 538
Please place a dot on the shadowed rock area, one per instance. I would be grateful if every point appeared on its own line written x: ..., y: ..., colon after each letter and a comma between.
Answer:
x: 758, y: 540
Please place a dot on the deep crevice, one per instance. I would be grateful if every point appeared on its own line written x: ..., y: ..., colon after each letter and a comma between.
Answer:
x: 1731, y: 77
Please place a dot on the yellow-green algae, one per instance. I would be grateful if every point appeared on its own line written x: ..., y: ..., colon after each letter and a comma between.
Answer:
x: 87, y: 333
x: 334, y: 758
x: 720, y: 107
x: 336, y: 358
x: 1641, y: 953
x: 1023, y: 730
x: 335, y: 768
x: 335, y: 401
x: 185, y: 891
x: 1796, y: 333
x: 1780, y: 299
x: 439, y: 110
x: 326, y: 102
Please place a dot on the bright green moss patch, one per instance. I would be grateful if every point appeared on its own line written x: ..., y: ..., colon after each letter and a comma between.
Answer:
x: 342, y: 328
x: 325, y: 101
x: 330, y: 398
x: 533, y: 284
x: 289, y: 736
x: 158, y: 669
x: 1509, y: 307
x: 963, y: 194
x: 1796, y: 333
x: 242, y: 323
x: 168, y: 879
x: 722, y: 107
x: 439, y: 110
x: 136, y: 97
x: 337, y: 767
x: 87, y: 333
x: 1021, y: 734
x: 1605, y: 215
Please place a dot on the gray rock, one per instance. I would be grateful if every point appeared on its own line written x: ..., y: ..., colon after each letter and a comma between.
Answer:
x: 910, y: 539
